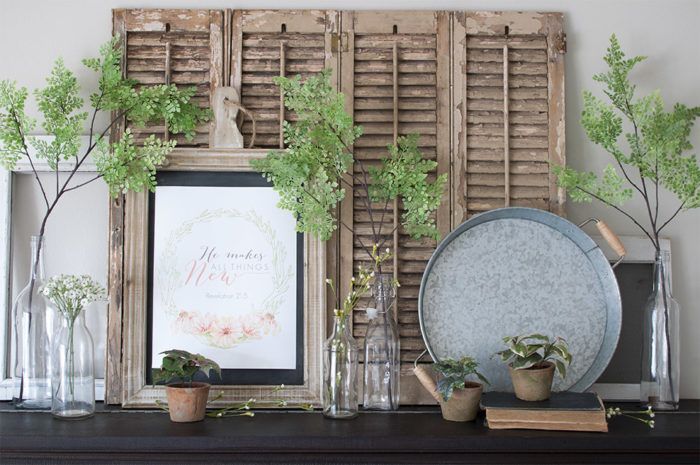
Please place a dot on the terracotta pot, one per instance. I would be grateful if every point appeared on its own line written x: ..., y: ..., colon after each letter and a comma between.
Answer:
x: 187, y: 402
x: 463, y: 404
x: 533, y: 384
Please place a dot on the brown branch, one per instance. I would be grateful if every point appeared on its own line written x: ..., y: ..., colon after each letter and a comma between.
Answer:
x: 18, y: 126
x: 645, y: 193
x: 82, y: 184
x: 621, y: 211
x: 381, y: 220
x: 362, y: 244
x: 671, y: 218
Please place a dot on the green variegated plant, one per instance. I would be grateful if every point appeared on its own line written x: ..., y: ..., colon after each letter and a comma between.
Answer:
x: 183, y: 365
x: 454, y: 374
x: 533, y: 350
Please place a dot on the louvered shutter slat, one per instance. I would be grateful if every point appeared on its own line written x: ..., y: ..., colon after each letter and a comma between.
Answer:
x: 267, y: 44
x: 506, y: 134
x: 181, y: 47
x: 393, y: 84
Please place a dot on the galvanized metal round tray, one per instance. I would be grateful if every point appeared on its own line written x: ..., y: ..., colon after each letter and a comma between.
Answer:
x: 517, y: 271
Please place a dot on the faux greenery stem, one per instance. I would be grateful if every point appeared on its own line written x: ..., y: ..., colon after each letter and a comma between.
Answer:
x: 656, y: 143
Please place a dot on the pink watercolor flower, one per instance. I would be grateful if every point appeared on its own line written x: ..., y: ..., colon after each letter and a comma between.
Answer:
x: 268, y: 322
x: 184, y: 321
x: 203, y: 325
x: 226, y: 332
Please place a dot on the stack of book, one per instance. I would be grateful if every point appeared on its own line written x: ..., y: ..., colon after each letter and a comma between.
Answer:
x: 564, y: 411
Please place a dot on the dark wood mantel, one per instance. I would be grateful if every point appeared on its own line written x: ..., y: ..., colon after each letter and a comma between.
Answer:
x: 408, y: 436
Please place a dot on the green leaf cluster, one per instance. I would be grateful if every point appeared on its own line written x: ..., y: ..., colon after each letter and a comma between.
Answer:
x: 310, y: 173
x: 532, y: 350
x: 123, y: 164
x: 653, y: 147
x: 404, y: 174
x: 454, y: 374
x: 14, y: 123
x: 183, y: 365
x: 307, y: 173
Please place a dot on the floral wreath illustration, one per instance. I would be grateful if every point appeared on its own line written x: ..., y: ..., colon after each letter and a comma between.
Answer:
x: 222, y: 331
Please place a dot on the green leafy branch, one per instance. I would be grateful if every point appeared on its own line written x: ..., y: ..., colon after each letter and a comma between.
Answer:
x: 654, y: 150
x: 123, y: 164
x: 311, y: 175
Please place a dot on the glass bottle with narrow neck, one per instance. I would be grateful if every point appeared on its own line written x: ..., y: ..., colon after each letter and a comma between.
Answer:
x: 31, y: 338
x: 660, y: 343
x: 340, y: 363
x: 382, y: 362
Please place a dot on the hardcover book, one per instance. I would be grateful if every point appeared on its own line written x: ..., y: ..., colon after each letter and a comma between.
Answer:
x: 564, y: 411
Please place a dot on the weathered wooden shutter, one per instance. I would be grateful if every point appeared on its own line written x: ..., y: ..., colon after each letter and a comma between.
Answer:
x: 395, y: 77
x: 266, y: 44
x: 509, y: 111
x: 182, y: 47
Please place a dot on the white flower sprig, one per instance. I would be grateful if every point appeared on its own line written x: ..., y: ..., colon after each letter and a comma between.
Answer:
x: 360, y: 285
x: 635, y: 414
x: 71, y: 293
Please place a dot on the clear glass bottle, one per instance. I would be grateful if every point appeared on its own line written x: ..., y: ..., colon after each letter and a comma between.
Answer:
x: 73, y: 378
x: 382, y: 361
x: 340, y: 361
x: 31, y: 338
x: 660, y: 344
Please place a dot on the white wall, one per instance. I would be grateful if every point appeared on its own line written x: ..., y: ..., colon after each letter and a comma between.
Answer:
x: 34, y: 33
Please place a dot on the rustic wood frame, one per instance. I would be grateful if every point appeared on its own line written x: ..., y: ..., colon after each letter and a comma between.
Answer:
x: 227, y: 27
x: 133, y: 332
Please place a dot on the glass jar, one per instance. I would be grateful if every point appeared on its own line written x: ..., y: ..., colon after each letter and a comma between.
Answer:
x: 340, y: 360
x: 73, y: 378
x: 31, y: 338
x: 660, y: 344
x: 382, y: 354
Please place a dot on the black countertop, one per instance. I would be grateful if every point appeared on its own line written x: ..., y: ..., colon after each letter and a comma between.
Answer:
x: 410, y: 435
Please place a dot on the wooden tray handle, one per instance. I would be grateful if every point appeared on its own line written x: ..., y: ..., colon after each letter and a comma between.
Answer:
x: 611, y: 238
x: 426, y: 379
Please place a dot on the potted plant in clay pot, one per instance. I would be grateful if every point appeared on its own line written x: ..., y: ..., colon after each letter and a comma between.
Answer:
x: 187, y: 399
x: 458, y: 396
x: 532, y: 360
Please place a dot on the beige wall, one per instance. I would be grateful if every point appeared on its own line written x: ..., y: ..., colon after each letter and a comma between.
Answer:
x: 34, y: 33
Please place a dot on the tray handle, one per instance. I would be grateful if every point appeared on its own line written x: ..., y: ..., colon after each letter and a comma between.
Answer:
x: 610, y: 237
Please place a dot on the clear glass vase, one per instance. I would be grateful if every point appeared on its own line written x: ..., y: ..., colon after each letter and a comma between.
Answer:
x: 382, y: 361
x: 660, y: 344
x: 73, y: 378
x: 32, y: 329
x: 340, y: 361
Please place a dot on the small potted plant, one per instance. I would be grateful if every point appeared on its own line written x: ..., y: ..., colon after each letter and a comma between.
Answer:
x: 187, y: 399
x: 457, y: 395
x: 532, y: 360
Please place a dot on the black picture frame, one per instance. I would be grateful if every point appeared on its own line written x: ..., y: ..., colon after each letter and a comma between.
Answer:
x: 248, y: 376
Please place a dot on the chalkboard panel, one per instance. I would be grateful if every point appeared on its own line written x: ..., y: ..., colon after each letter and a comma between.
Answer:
x: 635, y: 281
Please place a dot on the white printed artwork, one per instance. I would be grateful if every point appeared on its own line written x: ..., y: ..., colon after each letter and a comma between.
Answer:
x: 224, y: 276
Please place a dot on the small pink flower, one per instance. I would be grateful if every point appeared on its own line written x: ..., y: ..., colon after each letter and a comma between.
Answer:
x: 268, y: 322
x: 203, y: 325
x: 185, y: 321
x: 226, y: 332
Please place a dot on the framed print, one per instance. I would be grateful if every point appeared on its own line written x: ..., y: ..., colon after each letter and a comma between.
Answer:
x: 225, y: 276
x: 212, y: 265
